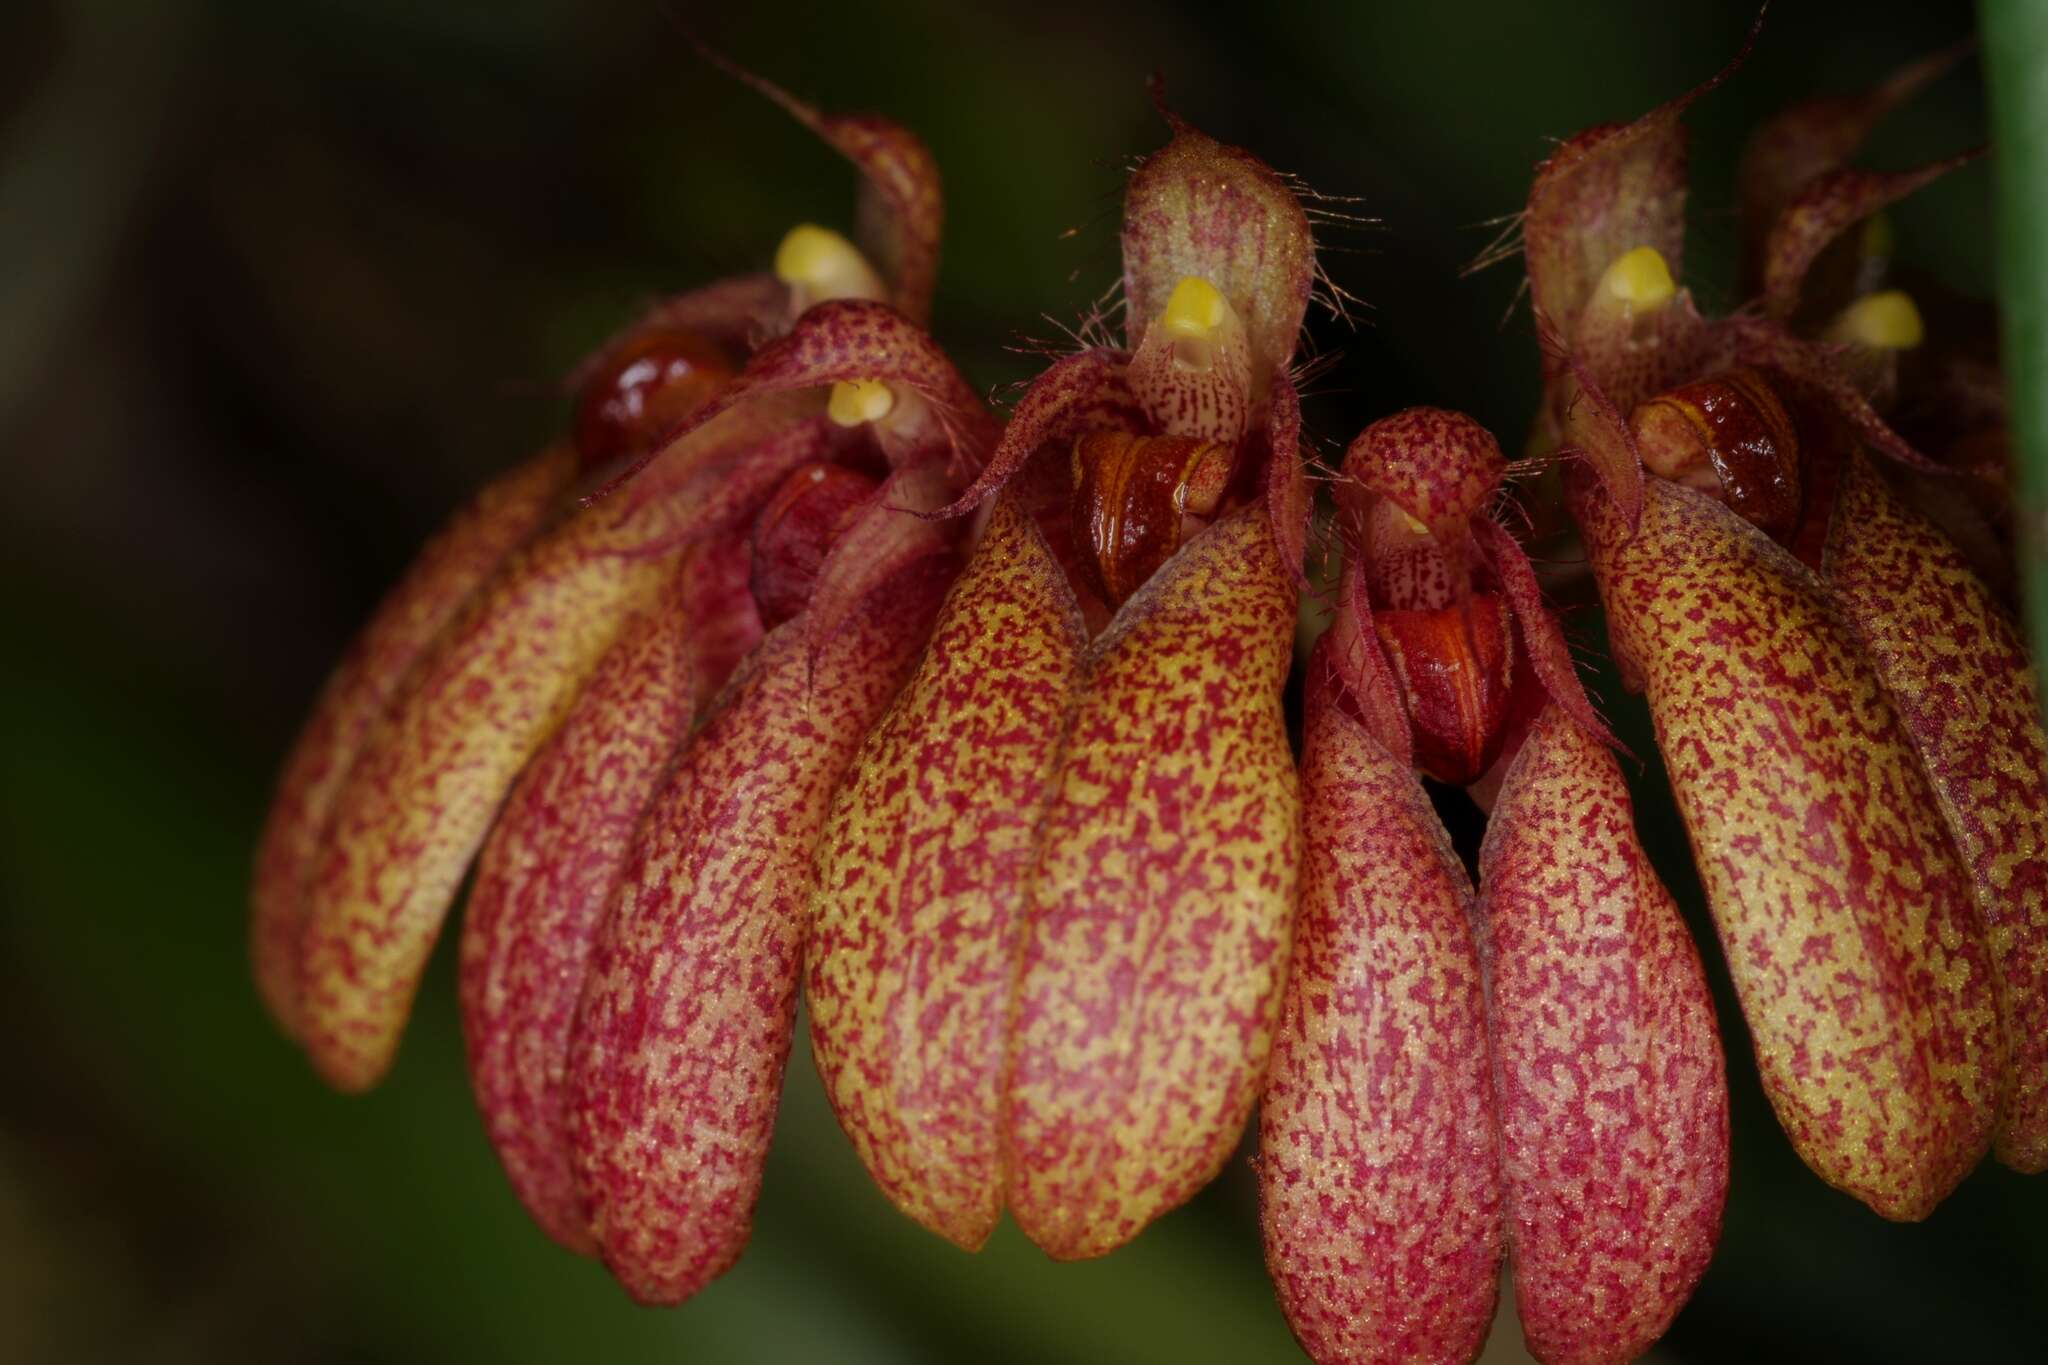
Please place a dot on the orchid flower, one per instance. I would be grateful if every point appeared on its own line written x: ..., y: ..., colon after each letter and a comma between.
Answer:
x: 633, y: 708
x: 1056, y: 894
x: 1844, y: 707
x: 1534, y: 1070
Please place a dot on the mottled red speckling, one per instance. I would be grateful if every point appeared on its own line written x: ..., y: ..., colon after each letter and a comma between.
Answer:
x: 1379, y: 1177
x: 1823, y: 211
x: 1608, y: 1079
x: 546, y: 876
x: 1163, y: 904
x: 1957, y: 670
x: 685, y: 1026
x: 1844, y: 914
x: 429, y: 784
x: 448, y: 572
x: 923, y: 880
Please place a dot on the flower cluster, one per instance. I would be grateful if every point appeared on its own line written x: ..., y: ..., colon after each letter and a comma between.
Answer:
x: 791, y: 673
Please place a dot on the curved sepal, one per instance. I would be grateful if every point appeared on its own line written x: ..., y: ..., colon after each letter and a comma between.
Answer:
x: 1084, y: 392
x: 543, y: 883
x: 677, y: 1057
x: 447, y: 573
x: 1609, y: 1084
x: 1822, y: 211
x: 1844, y: 915
x: 1800, y: 144
x: 1957, y: 671
x: 1164, y: 901
x: 1543, y: 642
x: 848, y: 341
x: 1440, y: 467
x: 924, y: 873
x: 1379, y: 1183
x: 431, y: 778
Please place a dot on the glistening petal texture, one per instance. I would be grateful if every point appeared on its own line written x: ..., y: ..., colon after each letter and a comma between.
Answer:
x: 1164, y: 902
x: 1957, y: 671
x: 431, y: 779
x: 447, y: 573
x: 924, y: 872
x: 546, y: 876
x: 1379, y: 1182
x: 1609, y: 1084
x: 1845, y: 917
x: 677, y: 1061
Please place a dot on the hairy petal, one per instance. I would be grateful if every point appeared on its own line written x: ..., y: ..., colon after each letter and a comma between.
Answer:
x: 1199, y: 207
x: 445, y: 576
x: 1845, y: 917
x: 924, y: 872
x: 1825, y: 209
x: 1164, y: 901
x: 676, y: 1066
x: 1611, y: 1093
x: 1957, y: 671
x: 431, y: 778
x: 1379, y: 1179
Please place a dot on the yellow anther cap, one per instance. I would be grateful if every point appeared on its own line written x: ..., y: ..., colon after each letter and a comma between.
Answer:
x: 860, y: 400
x: 1886, y: 321
x: 1195, y: 308
x: 810, y: 254
x: 1640, y: 278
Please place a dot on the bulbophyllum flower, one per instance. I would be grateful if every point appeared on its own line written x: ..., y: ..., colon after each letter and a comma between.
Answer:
x: 1533, y: 1069
x: 1845, y: 708
x: 636, y: 706
x: 1055, y: 896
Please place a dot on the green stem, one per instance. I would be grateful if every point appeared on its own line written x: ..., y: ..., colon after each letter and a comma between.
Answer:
x: 2016, y: 66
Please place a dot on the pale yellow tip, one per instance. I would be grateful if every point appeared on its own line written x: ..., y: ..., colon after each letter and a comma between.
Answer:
x: 1195, y: 309
x: 1640, y: 279
x: 860, y: 400
x: 818, y: 264
x: 1885, y: 321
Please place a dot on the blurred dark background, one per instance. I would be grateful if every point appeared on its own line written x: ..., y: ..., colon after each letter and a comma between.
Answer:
x: 281, y: 279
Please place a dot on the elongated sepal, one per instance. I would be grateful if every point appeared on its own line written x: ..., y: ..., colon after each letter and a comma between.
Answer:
x: 1957, y: 671
x: 1164, y: 901
x: 1609, y: 1084
x: 430, y: 781
x: 685, y: 1025
x: 1200, y: 208
x: 1290, y: 505
x: 1844, y: 915
x: 544, y: 881
x: 1378, y: 1173
x: 447, y: 574
x: 1824, y: 209
x: 924, y: 873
